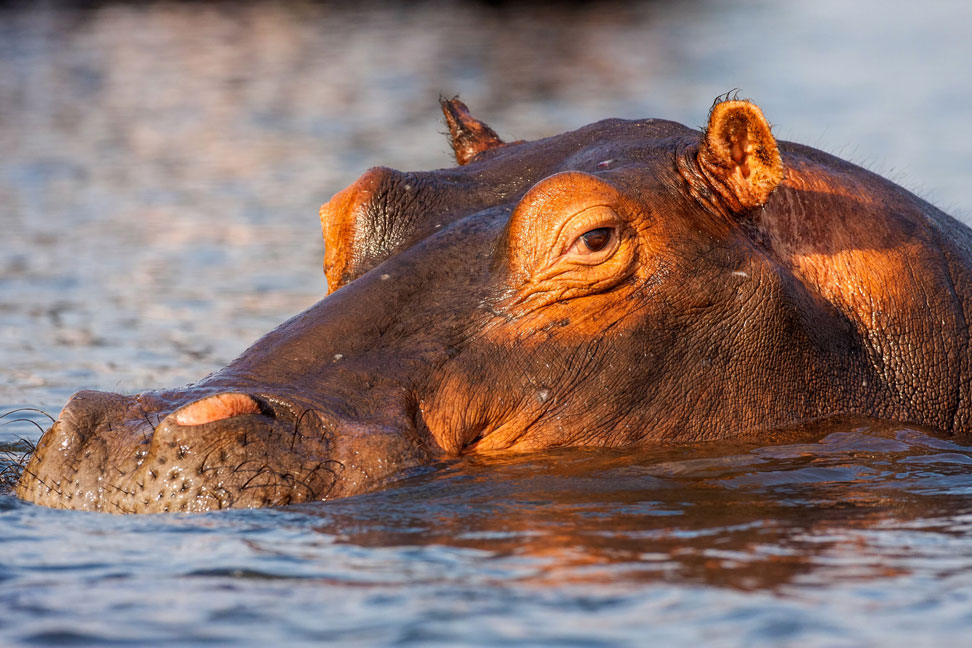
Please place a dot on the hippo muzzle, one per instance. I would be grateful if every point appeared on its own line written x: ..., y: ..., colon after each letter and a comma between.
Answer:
x: 113, y: 453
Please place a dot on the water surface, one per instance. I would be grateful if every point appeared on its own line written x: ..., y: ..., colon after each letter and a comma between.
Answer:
x: 858, y: 537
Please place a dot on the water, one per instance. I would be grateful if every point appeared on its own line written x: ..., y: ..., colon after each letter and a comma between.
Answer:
x: 161, y: 170
x: 857, y: 538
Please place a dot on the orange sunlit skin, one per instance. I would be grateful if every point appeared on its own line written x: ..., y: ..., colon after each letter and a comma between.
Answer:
x: 626, y: 284
x: 550, y: 261
x: 216, y: 408
x: 739, y: 155
x: 338, y: 218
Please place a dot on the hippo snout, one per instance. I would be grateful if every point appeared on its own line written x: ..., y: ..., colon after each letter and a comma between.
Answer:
x: 75, y: 460
x: 197, y: 452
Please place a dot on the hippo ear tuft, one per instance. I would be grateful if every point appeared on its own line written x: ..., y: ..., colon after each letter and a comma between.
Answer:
x: 739, y: 155
x: 469, y: 136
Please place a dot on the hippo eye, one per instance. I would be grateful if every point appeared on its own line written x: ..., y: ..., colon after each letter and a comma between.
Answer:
x: 593, y: 245
x: 597, y: 239
x: 590, y: 236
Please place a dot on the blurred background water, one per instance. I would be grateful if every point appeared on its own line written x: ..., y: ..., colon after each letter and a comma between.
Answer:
x: 161, y: 166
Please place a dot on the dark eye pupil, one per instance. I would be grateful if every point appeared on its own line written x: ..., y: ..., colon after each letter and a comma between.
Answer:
x: 597, y: 239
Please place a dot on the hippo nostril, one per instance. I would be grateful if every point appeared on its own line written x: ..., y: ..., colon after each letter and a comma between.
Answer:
x: 216, y: 408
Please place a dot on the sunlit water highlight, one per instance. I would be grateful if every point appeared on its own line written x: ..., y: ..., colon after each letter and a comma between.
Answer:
x: 855, y: 538
x: 162, y: 166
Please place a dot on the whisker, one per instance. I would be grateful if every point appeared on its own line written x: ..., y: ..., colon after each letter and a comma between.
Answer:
x: 27, y: 409
x: 300, y: 419
x: 24, y: 420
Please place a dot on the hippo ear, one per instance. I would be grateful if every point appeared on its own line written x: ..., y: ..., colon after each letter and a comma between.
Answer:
x: 469, y: 136
x: 739, y: 155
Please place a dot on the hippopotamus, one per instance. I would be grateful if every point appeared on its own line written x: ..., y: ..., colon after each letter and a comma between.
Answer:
x: 624, y: 284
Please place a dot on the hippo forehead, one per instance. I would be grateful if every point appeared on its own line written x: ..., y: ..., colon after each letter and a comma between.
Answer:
x: 386, y: 211
x: 617, y: 140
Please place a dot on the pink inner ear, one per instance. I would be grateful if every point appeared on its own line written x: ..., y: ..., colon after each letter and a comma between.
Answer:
x: 216, y: 408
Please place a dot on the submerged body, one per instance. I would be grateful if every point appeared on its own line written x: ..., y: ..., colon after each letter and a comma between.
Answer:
x: 628, y: 283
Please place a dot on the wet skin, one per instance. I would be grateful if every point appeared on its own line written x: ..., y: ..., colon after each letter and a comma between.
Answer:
x: 625, y: 284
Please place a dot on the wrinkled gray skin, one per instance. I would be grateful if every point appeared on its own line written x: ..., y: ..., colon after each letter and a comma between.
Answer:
x: 730, y: 340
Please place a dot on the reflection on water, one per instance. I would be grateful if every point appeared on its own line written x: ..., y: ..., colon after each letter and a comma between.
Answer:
x: 852, y: 534
x: 750, y: 518
x: 161, y: 169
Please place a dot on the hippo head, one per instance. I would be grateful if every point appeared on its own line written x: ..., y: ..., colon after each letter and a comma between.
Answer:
x: 626, y: 283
